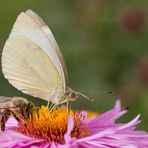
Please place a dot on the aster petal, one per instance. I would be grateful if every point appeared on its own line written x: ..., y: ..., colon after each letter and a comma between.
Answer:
x: 105, y: 133
x: 70, y: 124
x: 11, y: 123
x: 11, y: 138
x: 118, y: 104
x: 110, y: 116
x: 53, y: 145
x: 130, y: 124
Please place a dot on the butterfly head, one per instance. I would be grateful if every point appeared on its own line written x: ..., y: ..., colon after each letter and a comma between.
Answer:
x: 71, y: 95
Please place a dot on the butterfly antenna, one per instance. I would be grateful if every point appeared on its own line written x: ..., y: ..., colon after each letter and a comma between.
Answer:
x: 109, y: 92
x: 79, y: 93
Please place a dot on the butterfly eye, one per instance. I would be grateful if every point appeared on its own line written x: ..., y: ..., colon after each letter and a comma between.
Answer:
x: 72, y: 95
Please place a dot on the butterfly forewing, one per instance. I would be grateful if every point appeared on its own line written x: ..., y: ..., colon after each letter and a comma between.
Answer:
x: 51, y: 39
x: 31, y: 26
x: 32, y: 61
x: 30, y: 70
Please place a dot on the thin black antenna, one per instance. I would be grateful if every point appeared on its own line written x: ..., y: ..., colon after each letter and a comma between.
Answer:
x: 109, y: 92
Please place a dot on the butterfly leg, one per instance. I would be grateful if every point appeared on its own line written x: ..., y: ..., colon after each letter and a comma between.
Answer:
x: 67, y: 103
x: 51, y: 108
x: 68, y: 106
x: 48, y: 104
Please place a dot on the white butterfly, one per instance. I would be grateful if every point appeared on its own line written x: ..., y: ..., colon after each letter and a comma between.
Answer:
x: 32, y: 61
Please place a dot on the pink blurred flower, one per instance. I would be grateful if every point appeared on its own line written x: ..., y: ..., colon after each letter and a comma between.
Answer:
x: 131, y: 19
x: 103, y: 133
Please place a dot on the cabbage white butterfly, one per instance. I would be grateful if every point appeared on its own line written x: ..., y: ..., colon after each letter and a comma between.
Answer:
x: 32, y: 61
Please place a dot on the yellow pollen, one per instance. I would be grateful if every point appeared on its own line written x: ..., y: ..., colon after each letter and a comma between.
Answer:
x: 52, y: 125
x: 91, y: 114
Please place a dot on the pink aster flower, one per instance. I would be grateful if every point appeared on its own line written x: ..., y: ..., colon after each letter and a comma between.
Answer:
x: 44, y: 129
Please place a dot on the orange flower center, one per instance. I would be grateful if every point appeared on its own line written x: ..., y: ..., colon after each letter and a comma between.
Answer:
x: 52, y: 125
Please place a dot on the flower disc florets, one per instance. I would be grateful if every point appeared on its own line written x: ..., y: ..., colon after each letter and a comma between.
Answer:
x: 52, y: 125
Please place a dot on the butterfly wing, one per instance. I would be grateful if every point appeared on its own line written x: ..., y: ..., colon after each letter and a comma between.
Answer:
x: 29, y: 69
x: 32, y: 61
x: 52, y: 40
x: 30, y: 25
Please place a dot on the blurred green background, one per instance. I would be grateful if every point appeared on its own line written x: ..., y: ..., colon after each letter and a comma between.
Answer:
x: 105, y: 46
